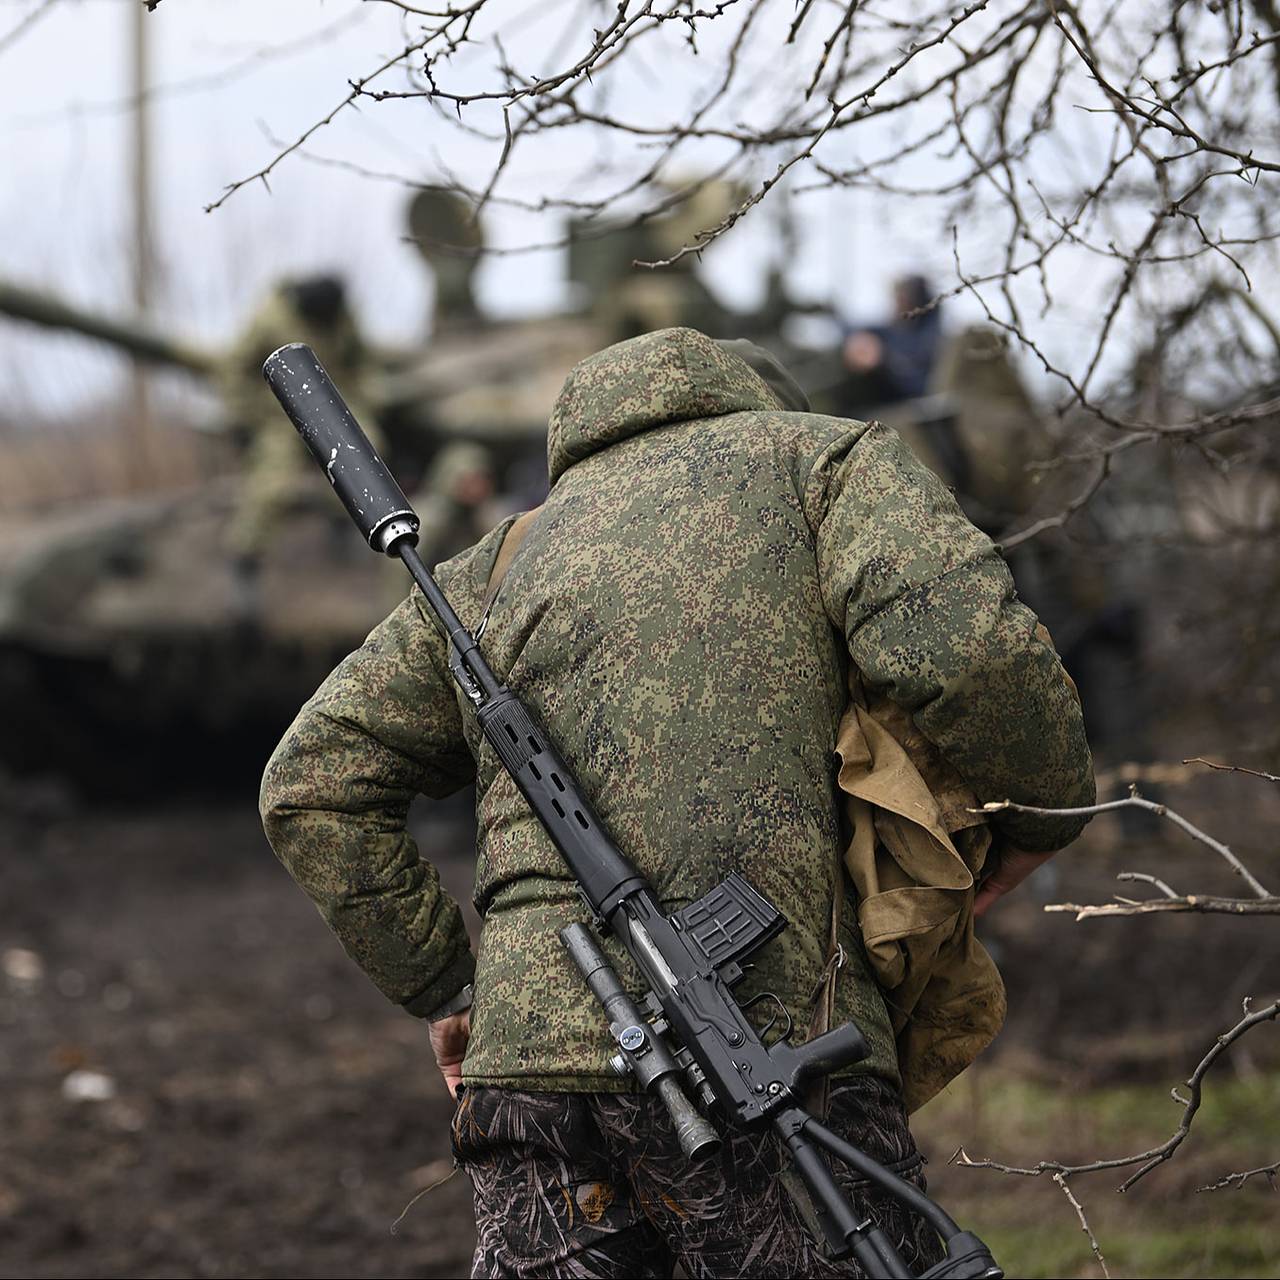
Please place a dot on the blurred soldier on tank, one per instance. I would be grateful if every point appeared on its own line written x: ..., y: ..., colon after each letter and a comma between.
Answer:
x: 894, y: 361
x: 629, y: 299
x: 314, y: 310
x: 956, y: 398
x: 457, y: 503
x: 443, y: 228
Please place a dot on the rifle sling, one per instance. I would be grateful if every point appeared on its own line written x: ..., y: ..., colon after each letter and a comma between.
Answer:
x: 511, y: 545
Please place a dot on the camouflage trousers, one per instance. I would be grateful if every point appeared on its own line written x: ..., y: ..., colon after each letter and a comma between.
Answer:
x: 594, y: 1185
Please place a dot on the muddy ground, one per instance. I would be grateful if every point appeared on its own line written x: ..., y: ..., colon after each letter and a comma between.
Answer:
x: 198, y: 1083
x: 272, y: 1114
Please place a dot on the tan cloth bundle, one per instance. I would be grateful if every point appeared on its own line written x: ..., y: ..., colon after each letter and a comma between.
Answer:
x: 914, y: 859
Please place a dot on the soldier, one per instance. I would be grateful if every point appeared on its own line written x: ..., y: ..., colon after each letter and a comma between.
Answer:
x: 630, y: 299
x: 682, y: 613
x: 278, y: 473
x: 456, y: 503
x: 893, y: 361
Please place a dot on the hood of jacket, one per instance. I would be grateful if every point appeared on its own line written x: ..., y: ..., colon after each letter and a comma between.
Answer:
x: 671, y: 375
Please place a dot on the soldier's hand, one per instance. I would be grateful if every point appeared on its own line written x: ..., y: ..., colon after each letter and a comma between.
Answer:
x: 449, y: 1039
x: 1015, y: 866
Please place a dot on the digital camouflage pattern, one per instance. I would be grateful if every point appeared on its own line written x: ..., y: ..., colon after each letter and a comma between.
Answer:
x: 595, y: 1186
x: 681, y: 617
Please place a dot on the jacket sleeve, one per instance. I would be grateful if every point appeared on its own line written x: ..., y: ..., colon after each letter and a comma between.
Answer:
x: 927, y: 606
x: 335, y: 797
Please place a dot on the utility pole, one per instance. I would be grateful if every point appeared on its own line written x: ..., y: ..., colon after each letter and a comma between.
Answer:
x: 139, y: 427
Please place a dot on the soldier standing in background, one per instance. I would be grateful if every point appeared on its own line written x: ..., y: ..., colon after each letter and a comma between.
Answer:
x: 278, y: 472
x: 894, y: 361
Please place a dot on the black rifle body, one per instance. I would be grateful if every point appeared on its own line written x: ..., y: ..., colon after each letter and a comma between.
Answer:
x: 692, y: 1033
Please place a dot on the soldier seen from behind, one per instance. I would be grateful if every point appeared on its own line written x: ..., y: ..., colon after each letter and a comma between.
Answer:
x: 766, y: 641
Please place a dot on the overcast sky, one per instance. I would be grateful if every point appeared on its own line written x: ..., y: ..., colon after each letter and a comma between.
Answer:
x: 232, y: 78
x: 229, y: 76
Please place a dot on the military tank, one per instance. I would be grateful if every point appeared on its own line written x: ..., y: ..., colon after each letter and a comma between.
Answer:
x: 132, y: 657
x: 205, y: 617
x: 166, y: 639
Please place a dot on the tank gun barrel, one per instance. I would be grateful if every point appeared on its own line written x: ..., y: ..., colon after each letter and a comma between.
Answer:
x: 40, y: 308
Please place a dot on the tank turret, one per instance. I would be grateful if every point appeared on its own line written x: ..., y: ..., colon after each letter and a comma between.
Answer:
x: 444, y: 229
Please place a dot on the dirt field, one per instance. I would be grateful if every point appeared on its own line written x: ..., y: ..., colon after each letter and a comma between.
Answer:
x: 272, y: 1114
x: 198, y: 1083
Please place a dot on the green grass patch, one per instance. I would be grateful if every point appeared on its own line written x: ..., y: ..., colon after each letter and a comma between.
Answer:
x: 1056, y: 1251
x: 1163, y: 1227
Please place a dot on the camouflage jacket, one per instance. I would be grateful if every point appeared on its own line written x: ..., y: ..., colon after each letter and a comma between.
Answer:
x: 681, y: 616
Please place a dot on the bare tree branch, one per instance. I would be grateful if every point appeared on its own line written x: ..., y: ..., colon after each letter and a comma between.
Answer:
x: 1169, y: 901
x: 1061, y: 142
x: 1237, y: 1180
x: 1156, y: 1156
x: 1204, y: 903
x: 1135, y: 801
x: 14, y: 34
x: 1061, y: 1180
x: 1234, y: 768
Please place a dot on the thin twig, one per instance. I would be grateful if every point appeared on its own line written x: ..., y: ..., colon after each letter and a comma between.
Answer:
x: 439, y: 1182
x: 1135, y: 801
x: 1237, y: 1180
x: 1147, y: 879
x: 1234, y: 768
x: 1084, y: 1222
x: 1198, y: 902
x: 1147, y: 1160
x: 15, y: 33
